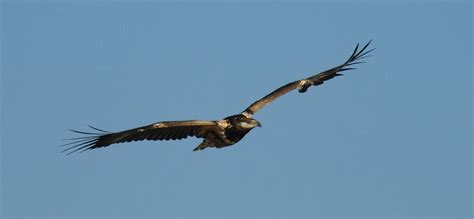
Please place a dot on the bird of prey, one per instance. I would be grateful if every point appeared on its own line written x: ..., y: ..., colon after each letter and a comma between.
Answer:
x: 218, y: 133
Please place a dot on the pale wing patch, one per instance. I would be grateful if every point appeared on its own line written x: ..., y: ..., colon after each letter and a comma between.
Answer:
x: 223, y: 123
x: 187, y: 123
x: 159, y: 125
x: 247, y: 114
x: 304, y: 82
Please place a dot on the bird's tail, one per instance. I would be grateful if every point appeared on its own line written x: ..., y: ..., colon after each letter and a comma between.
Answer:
x: 204, y: 144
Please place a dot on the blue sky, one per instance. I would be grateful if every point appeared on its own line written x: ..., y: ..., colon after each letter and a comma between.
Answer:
x: 391, y: 139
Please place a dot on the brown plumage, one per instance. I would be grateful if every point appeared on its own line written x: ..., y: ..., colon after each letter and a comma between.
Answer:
x: 219, y: 133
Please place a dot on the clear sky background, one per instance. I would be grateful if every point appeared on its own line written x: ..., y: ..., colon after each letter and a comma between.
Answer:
x: 391, y: 139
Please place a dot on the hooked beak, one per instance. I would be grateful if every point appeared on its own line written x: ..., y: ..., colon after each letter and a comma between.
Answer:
x: 259, y: 124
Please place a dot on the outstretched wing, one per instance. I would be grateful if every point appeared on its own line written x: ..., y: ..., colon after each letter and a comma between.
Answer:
x: 315, y: 80
x: 158, y: 131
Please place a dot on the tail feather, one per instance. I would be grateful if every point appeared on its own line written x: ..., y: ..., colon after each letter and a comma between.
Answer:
x: 204, y: 144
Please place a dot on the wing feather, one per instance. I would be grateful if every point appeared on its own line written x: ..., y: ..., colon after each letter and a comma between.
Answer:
x: 172, y: 130
x: 315, y: 80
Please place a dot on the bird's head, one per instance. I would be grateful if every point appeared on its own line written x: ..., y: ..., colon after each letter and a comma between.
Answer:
x: 249, y: 123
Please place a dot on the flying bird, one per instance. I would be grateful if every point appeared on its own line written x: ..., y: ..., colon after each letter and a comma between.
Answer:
x: 217, y: 133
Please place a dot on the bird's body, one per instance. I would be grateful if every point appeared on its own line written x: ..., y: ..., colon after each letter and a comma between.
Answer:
x: 230, y: 130
x: 218, y: 133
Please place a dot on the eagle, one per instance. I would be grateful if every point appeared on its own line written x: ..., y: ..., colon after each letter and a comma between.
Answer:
x: 218, y: 133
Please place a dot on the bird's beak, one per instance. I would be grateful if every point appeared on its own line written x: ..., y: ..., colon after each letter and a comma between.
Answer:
x: 259, y: 124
